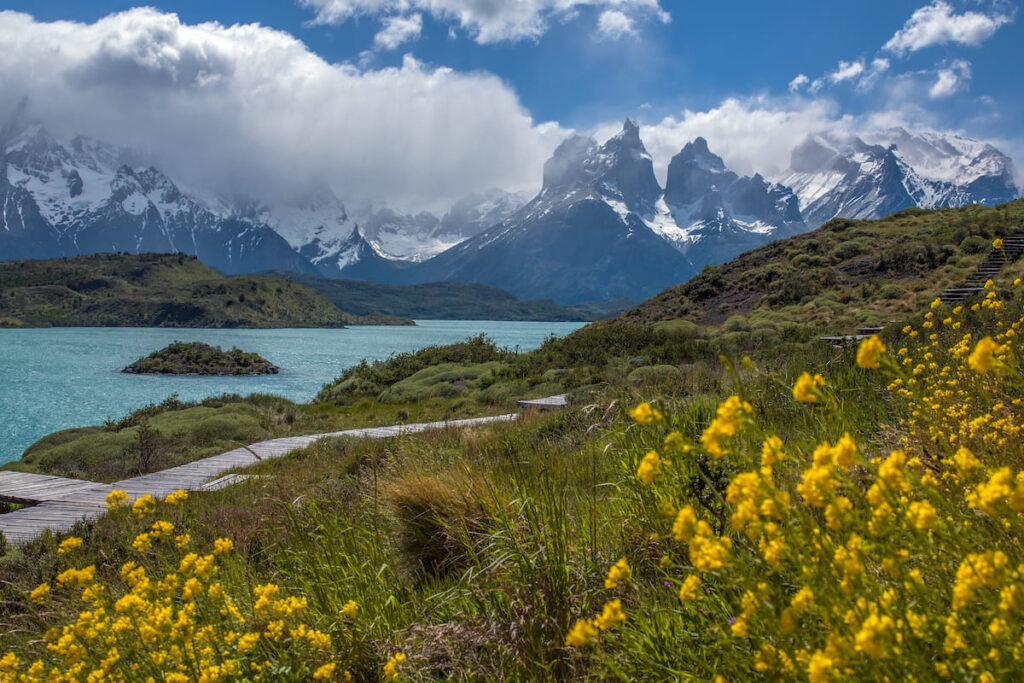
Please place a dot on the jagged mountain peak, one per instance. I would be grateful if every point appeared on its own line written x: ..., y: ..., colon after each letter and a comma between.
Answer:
x: 629, y: 136
x: 695, y: 172
x: 565, y: 167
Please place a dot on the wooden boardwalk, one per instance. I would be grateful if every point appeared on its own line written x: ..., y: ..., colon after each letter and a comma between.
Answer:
x: 557, y: 402
x: 57, y: 504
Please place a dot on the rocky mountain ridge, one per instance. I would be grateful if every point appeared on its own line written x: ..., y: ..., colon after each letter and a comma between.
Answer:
x: 601, y: 226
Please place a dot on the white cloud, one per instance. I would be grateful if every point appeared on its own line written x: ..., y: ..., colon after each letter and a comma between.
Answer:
x: 951, y: 79
x: 938, y: 24
x: 487, y: 21
x: 251, y: 109
x: 800, y: 81
x: 846, y: 71
x: 398, y: 30
x: 614, y: 24
x: 753, y: 135
x: 872, y: 74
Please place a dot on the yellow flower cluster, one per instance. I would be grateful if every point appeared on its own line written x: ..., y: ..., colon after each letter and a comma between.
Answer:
x: 619, y: 573
x: 177, y: 627
x: 586, y: 631
x: 176, y: 498
x: 69, y: 544
x: 898, y: 554
x: 726, y: 423
x: 650, y: 466
x: 391, y: 668
x: 807, y: 387
x: 116, y: 499
x: 645, y: 414
x: 869, y: 352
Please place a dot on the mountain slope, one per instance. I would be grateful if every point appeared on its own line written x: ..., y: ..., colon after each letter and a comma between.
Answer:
x: 844, y: 274
x: 435, y: 301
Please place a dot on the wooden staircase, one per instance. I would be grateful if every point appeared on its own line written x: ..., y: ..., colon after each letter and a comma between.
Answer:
x: 1013, y: 247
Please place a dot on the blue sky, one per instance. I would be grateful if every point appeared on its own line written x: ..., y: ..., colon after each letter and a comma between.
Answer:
x: 945, y: 64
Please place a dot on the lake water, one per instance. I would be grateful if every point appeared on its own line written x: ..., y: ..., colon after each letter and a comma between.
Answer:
x: 56, y: 378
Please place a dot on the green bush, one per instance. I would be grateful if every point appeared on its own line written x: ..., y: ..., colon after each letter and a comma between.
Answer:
x: 975, y: 244
x: 655, y: 374
x: 891, y: 291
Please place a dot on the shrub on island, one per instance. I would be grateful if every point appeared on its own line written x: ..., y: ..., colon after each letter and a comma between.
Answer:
x: 197, y: 358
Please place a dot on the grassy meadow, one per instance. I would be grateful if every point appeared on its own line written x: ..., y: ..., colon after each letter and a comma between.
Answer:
x: 718, y: 504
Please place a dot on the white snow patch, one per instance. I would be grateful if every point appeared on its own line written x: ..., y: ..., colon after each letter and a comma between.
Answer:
x: 135, y: 204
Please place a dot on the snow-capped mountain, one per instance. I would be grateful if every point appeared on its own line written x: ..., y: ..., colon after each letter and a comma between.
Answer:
x: 582, y: 237
x: 418, y: 237
x: 80, y: 197
x: 716, y: 214
x: 851, y: 176
x: 602, y: 227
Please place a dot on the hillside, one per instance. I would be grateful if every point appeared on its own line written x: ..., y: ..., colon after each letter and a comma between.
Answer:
x: 447, y: 301
x: 157, y: 290
x: 845, y: 274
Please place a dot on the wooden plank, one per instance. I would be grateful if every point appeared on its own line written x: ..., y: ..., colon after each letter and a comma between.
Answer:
x: 69, y: 501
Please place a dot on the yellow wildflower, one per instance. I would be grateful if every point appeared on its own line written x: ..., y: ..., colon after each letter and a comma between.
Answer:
x: 143, y: 505
x: 324, y: 672
x: 116, y: 499
x: 921, y: 515
x: 997, y: 243
x: 161, y: 528
x: 391, y: 668
x: 222, y: 546
x: 727, y: 422
x: 869, y: 351
x: 350, y: 608
x: 177, y: 497
x: 690, y: 588
x: 581, y: 634
x: 871, y: 634
x: 650, y: 466
x: 806, y: 388
x: 771, y: 451
x: 619, y: 573
x: 982, y: 359
x: 39, y: 593
x: 610, y: 615
x: 965, y: 460
x: 142, y: 542
x: 69, y: 544
x: 644, y: 414
x: 685, y: 524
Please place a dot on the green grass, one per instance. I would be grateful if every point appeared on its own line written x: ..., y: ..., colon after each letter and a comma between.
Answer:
x: 157, y: 437
x: 474, y: 551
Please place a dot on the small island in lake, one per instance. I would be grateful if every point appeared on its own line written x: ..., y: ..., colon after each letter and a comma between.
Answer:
x: 196, y: 358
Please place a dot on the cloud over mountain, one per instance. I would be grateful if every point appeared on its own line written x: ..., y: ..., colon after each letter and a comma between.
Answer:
x: 251, y: 109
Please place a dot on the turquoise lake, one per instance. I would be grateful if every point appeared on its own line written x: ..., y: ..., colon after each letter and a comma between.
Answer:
x: 56, y: 378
